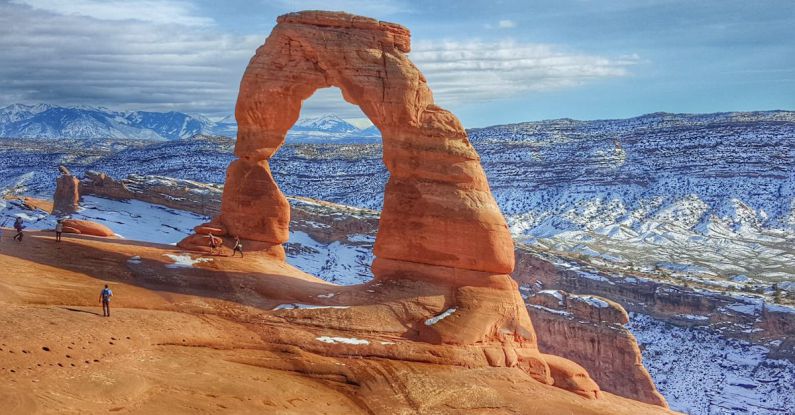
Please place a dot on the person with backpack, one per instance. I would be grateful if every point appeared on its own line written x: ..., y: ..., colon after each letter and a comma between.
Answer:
x: 19, y: 227
x: 58, y: 230
x: 104, y: 298
x: 238, y: 247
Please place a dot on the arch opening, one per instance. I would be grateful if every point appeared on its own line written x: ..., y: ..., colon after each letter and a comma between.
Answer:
x: 335, y: 247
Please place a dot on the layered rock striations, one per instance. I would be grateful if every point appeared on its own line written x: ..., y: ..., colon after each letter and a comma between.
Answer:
x: 590, y: 330
x: 188, y: 195
x: 434, y: 169
x: 748, y: 316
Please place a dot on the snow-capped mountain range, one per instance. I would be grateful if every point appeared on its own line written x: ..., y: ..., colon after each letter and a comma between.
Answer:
x: 84, y: 122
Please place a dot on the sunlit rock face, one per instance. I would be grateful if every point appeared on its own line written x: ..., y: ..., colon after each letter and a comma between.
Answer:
x: 438, y: 209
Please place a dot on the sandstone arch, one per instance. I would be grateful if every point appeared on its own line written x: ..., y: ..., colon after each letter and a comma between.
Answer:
x: 438, y: 209
x: 441, y: 238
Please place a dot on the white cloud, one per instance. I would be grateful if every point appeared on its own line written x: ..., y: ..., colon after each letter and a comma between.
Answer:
x: 154, y: 11
x: 65, y: 54
x: 68, y: 58
x: 475, y: 70
x: 506, y: 24
x: 370, y: 8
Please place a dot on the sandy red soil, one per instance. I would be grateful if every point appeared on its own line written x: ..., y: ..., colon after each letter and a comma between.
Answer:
x: 206, y: 340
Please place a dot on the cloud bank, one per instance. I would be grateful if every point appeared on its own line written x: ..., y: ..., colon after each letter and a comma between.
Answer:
x: 163, y: 55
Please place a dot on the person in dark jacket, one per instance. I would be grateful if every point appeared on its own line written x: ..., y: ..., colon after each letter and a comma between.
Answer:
x: 19, y: 226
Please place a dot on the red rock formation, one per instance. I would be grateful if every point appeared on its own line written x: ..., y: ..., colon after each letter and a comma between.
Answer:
x: 438, y: 209
x: 67, y: 193
x: 443, y: 247
x: 571, y: 376
x: 86, y: 227
x: 201, y: 198
x: 590, y: 330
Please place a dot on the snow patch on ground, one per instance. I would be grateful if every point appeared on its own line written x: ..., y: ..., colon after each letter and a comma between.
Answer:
x: 592, y: 301
x: 336, y: 262
x: 343, y: 340
x: 140, y: 221
x: 299, y: 306
x: 184, y: 261
x: 435, y: 319
x: 549, y: 310
x: 555, y: 293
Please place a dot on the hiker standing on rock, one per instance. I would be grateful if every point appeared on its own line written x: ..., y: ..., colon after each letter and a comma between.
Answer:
x: 19, y: 227
x: 238, y: 247
x: 104, y: 298
x: 58, y: 230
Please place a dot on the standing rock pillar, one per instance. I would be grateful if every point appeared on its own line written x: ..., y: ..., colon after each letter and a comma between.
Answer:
x: 67, y: 193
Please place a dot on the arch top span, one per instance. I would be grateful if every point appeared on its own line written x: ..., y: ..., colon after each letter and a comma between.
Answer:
x: 438, y: 209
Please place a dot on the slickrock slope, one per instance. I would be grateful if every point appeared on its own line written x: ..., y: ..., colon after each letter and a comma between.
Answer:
x: 441, y: 329
x: 234, y: 335
x: 86, y: 227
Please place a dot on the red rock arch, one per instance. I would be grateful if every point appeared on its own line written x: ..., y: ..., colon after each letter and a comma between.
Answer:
x: 440, y: 231
x: 438, y: 209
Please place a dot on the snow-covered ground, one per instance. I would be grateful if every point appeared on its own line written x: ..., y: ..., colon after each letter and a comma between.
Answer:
x: 701, y: 372
x: 130, y: 219
x: 336, y: 262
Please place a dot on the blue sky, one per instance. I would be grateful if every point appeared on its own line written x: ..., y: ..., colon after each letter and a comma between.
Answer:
x: 489, y: 62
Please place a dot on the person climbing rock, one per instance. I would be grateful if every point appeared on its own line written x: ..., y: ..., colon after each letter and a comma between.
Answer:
x: 213, y: 243
x: 58, y: 230
x: 19, y: 227
x: 238, y: 247
x: 104, y: 298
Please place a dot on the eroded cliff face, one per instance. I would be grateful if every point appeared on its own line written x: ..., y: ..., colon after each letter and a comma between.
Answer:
x: 590, y: 330
x: 441, y: 288
x: 745, y: 317
x: 192, y: 196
